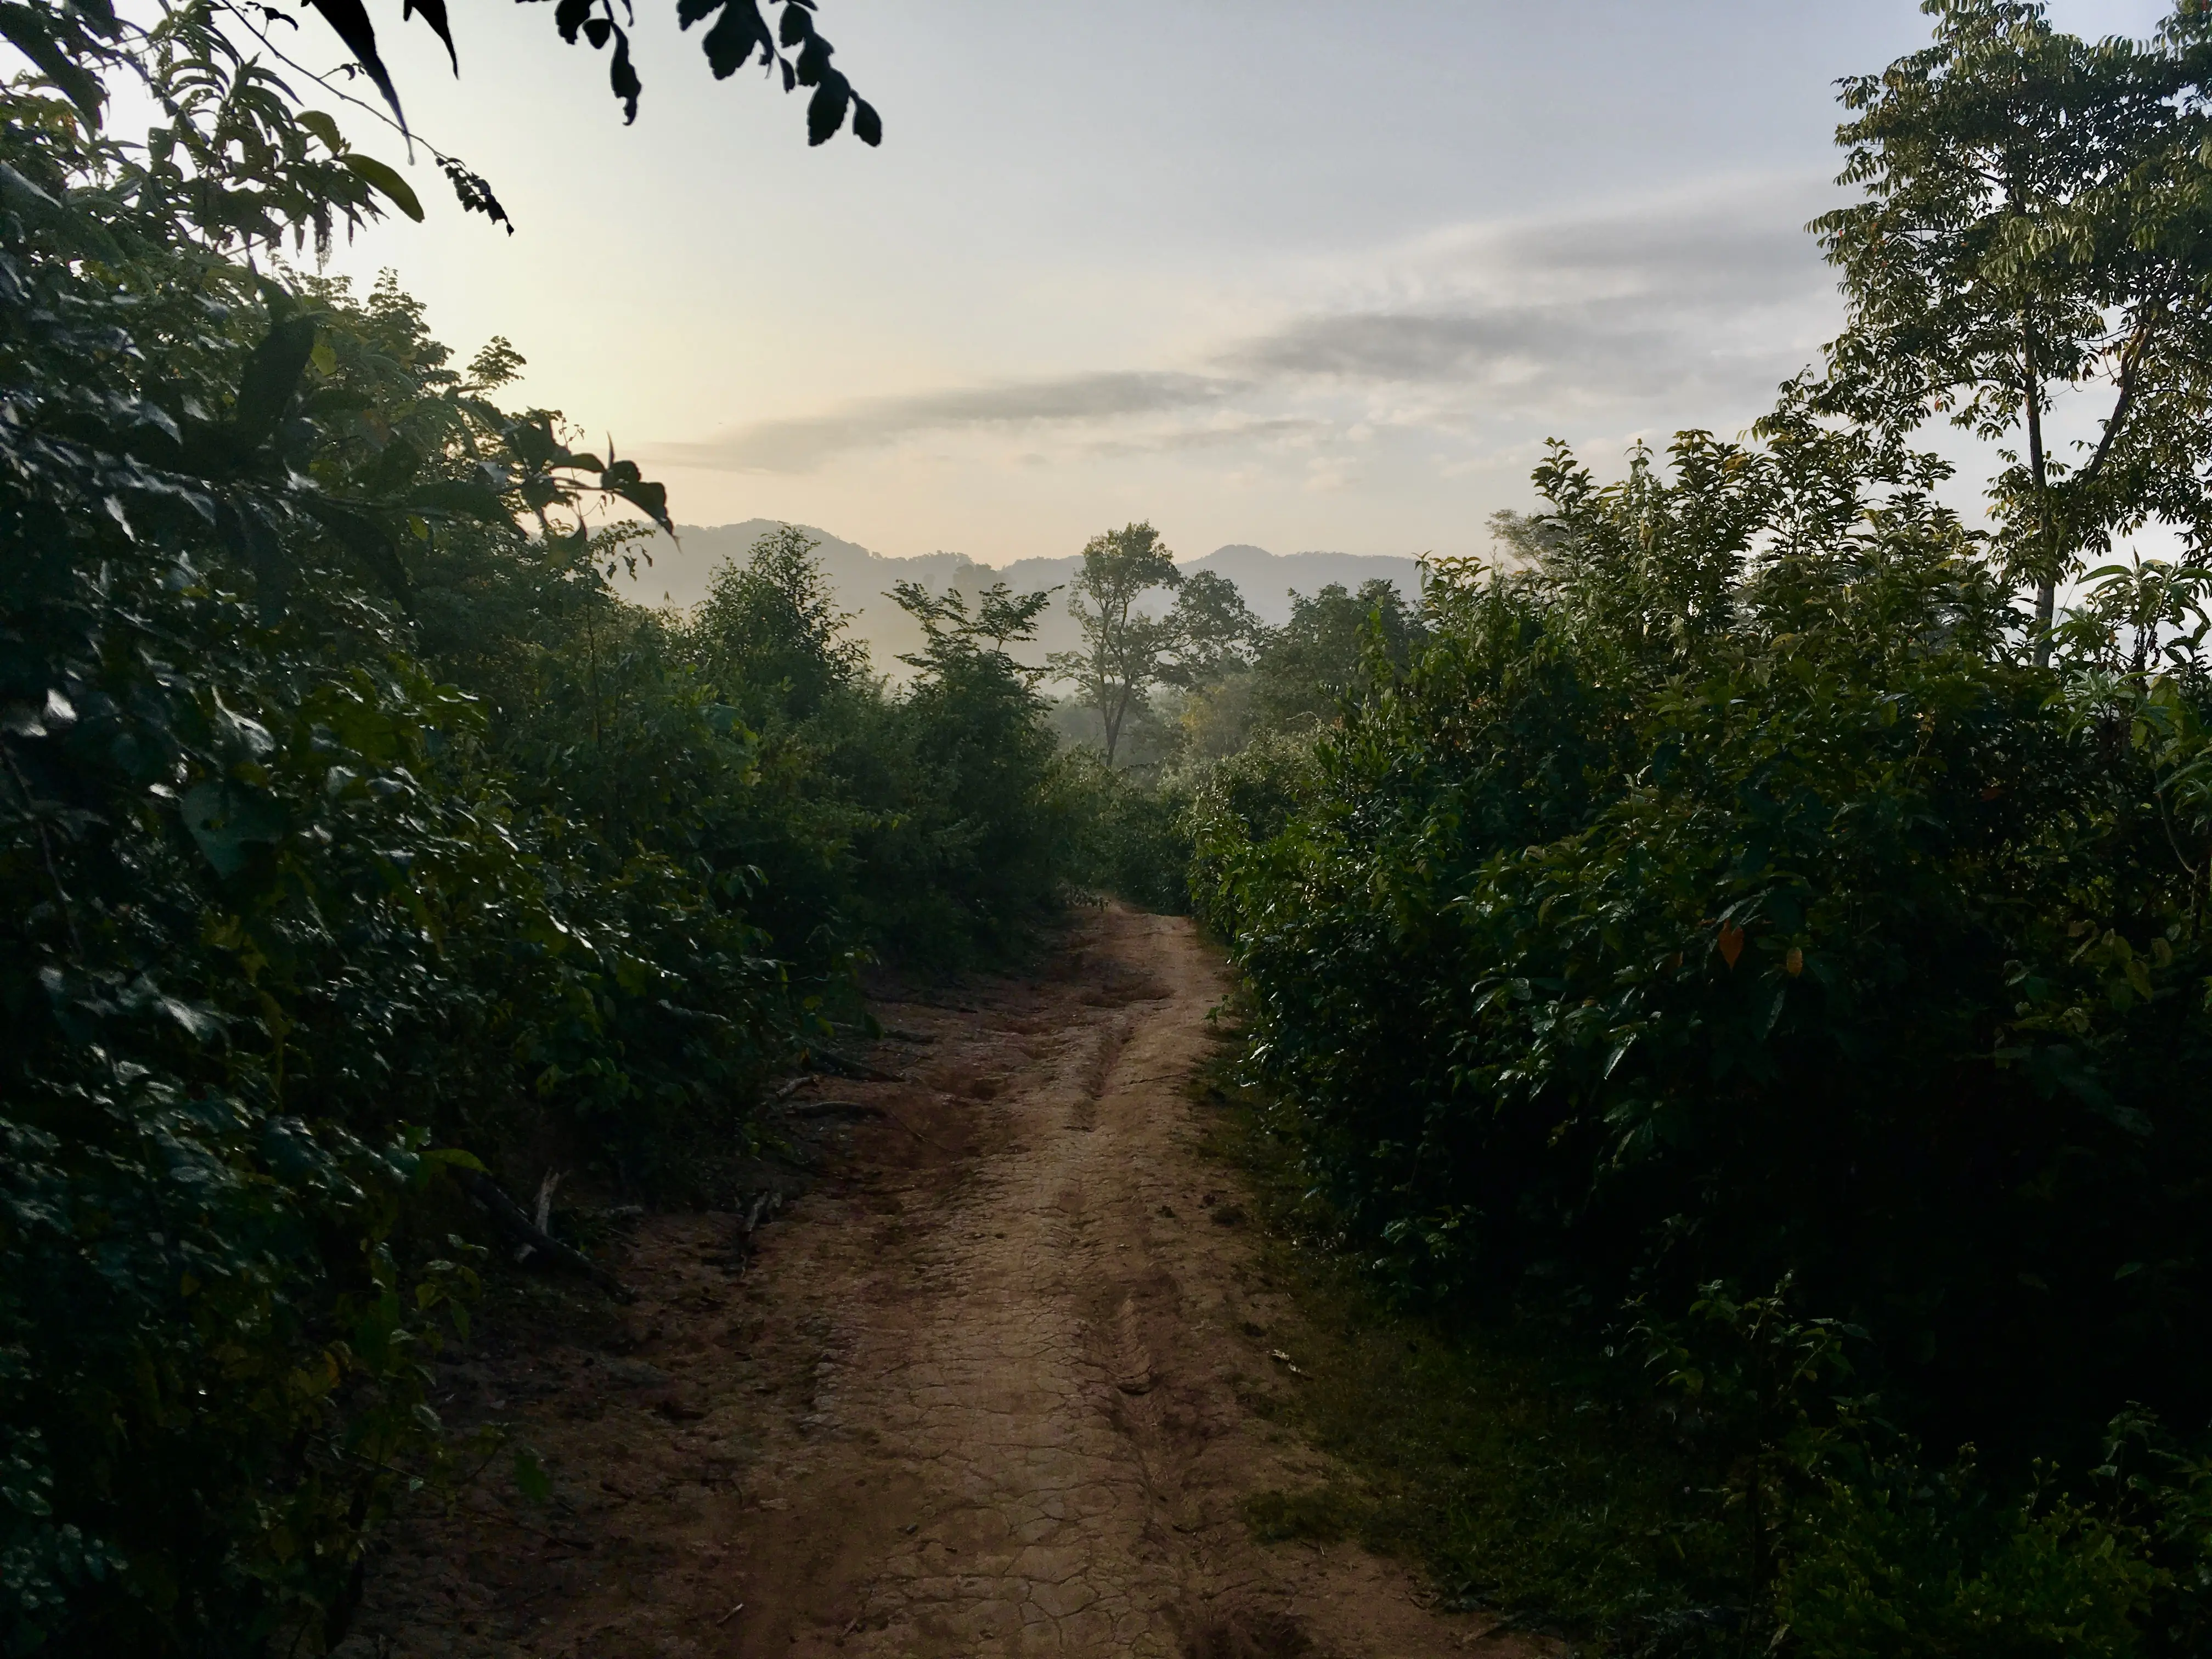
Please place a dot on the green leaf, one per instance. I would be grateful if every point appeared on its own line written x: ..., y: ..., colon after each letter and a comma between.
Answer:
x: 460, y: 499
x: 272, y: 375
x: 530, y: 1475
x: 32, y: 32
x: 379, y: 177
x: 453, y: 1157
x: 324, y: 128
x: 226, y: 819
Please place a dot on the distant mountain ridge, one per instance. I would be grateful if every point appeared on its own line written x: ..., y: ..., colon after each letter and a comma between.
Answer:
x: 681, y: 571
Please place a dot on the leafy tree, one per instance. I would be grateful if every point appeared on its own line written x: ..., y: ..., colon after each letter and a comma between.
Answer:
x: 1124, y: 650
x: 1002, y: 618
x: 1303, y: 669
x: 1213, y: 631
x: 2034, y: 224
x: 768, y: 631
x: 972, y: 721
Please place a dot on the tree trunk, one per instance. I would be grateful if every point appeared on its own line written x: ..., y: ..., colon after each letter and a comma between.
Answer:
x: 2046, y: 592
x: 1113, y: 710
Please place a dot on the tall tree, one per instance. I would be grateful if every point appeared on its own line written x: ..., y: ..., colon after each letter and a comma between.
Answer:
x: 1215, y: 632
x: 1123, y: 649
x: 2032, y: 224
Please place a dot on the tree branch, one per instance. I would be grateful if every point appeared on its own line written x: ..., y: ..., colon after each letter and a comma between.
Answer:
x: 2131, y: 359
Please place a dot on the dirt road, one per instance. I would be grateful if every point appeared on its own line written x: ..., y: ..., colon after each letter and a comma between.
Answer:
x: 997, y: 1383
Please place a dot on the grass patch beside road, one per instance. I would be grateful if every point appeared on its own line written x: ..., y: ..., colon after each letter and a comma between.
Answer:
x: 1524, y: 1469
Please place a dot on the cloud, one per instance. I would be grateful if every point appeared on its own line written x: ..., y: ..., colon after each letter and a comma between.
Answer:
x: 1237, y: 433
x: 1672, y: 310
x: 802, y: 444
x: 1721, y: 293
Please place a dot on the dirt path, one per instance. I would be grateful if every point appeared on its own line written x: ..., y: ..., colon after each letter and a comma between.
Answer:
x: 997, y: 1384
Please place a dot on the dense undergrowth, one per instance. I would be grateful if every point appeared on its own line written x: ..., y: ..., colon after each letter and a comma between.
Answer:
x: 352, y: 834
x: 1723, y: 945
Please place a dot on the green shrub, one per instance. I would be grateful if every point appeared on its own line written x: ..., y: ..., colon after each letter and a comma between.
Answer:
x: 1727, y: 897
x: 1903, y: 1562
x: 1128, y: 835
x: 1683, y: 913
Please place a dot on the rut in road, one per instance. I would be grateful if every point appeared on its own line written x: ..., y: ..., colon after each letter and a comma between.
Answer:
x: 998, y: 1385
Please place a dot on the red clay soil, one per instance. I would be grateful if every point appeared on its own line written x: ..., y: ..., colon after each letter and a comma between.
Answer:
x: 996, y: 1383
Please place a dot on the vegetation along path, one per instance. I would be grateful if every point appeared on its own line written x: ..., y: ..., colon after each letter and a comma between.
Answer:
x: 999, y: 1383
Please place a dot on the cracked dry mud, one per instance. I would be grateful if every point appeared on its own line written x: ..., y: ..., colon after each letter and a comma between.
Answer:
x: 996, y: 1385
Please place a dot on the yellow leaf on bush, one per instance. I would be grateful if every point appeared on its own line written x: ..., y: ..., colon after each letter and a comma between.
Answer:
x: 1731, y: 942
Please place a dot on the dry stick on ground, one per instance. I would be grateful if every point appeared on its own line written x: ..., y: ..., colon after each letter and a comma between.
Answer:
x: 507, y: 1216
x: 544, y: 1219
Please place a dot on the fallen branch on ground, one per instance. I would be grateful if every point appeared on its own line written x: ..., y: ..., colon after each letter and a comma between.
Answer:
x: 507, y: 1215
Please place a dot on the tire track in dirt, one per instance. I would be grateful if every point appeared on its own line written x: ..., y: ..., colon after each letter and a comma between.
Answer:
x: 996, y: 1386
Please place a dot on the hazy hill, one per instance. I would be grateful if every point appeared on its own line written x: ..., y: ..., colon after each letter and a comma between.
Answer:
x: 679, y: 575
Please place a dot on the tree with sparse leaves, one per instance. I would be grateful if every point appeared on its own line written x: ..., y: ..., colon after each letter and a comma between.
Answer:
x: 1123, y: 647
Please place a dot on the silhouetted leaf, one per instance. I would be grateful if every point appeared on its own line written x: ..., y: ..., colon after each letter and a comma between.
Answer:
x: 474, y: 193
x: 825, y: 110
x: 737, y: 35
x: 434, y: 13
x: 569, y: 17
x: 383, y: 178
x: 349, y: 18
x: 623, y: 78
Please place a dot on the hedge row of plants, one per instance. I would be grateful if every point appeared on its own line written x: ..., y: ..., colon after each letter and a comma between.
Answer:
x: 1726, y: 941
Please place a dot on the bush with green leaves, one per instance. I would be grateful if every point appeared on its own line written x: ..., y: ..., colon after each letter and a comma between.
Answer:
x: 1727, y: 895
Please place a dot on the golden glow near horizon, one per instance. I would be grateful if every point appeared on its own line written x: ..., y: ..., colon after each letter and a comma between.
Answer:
x: 1288, y: 274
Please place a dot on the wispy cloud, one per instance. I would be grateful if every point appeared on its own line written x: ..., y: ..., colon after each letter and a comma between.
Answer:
x: 798, y: 445
x: 1681, y: 309
x: 1713, y: 294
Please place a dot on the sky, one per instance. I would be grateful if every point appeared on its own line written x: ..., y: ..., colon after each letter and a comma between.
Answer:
x: 1302, y: 274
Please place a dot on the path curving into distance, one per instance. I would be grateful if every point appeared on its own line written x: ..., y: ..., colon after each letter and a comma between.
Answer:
x: 996, y: 1384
